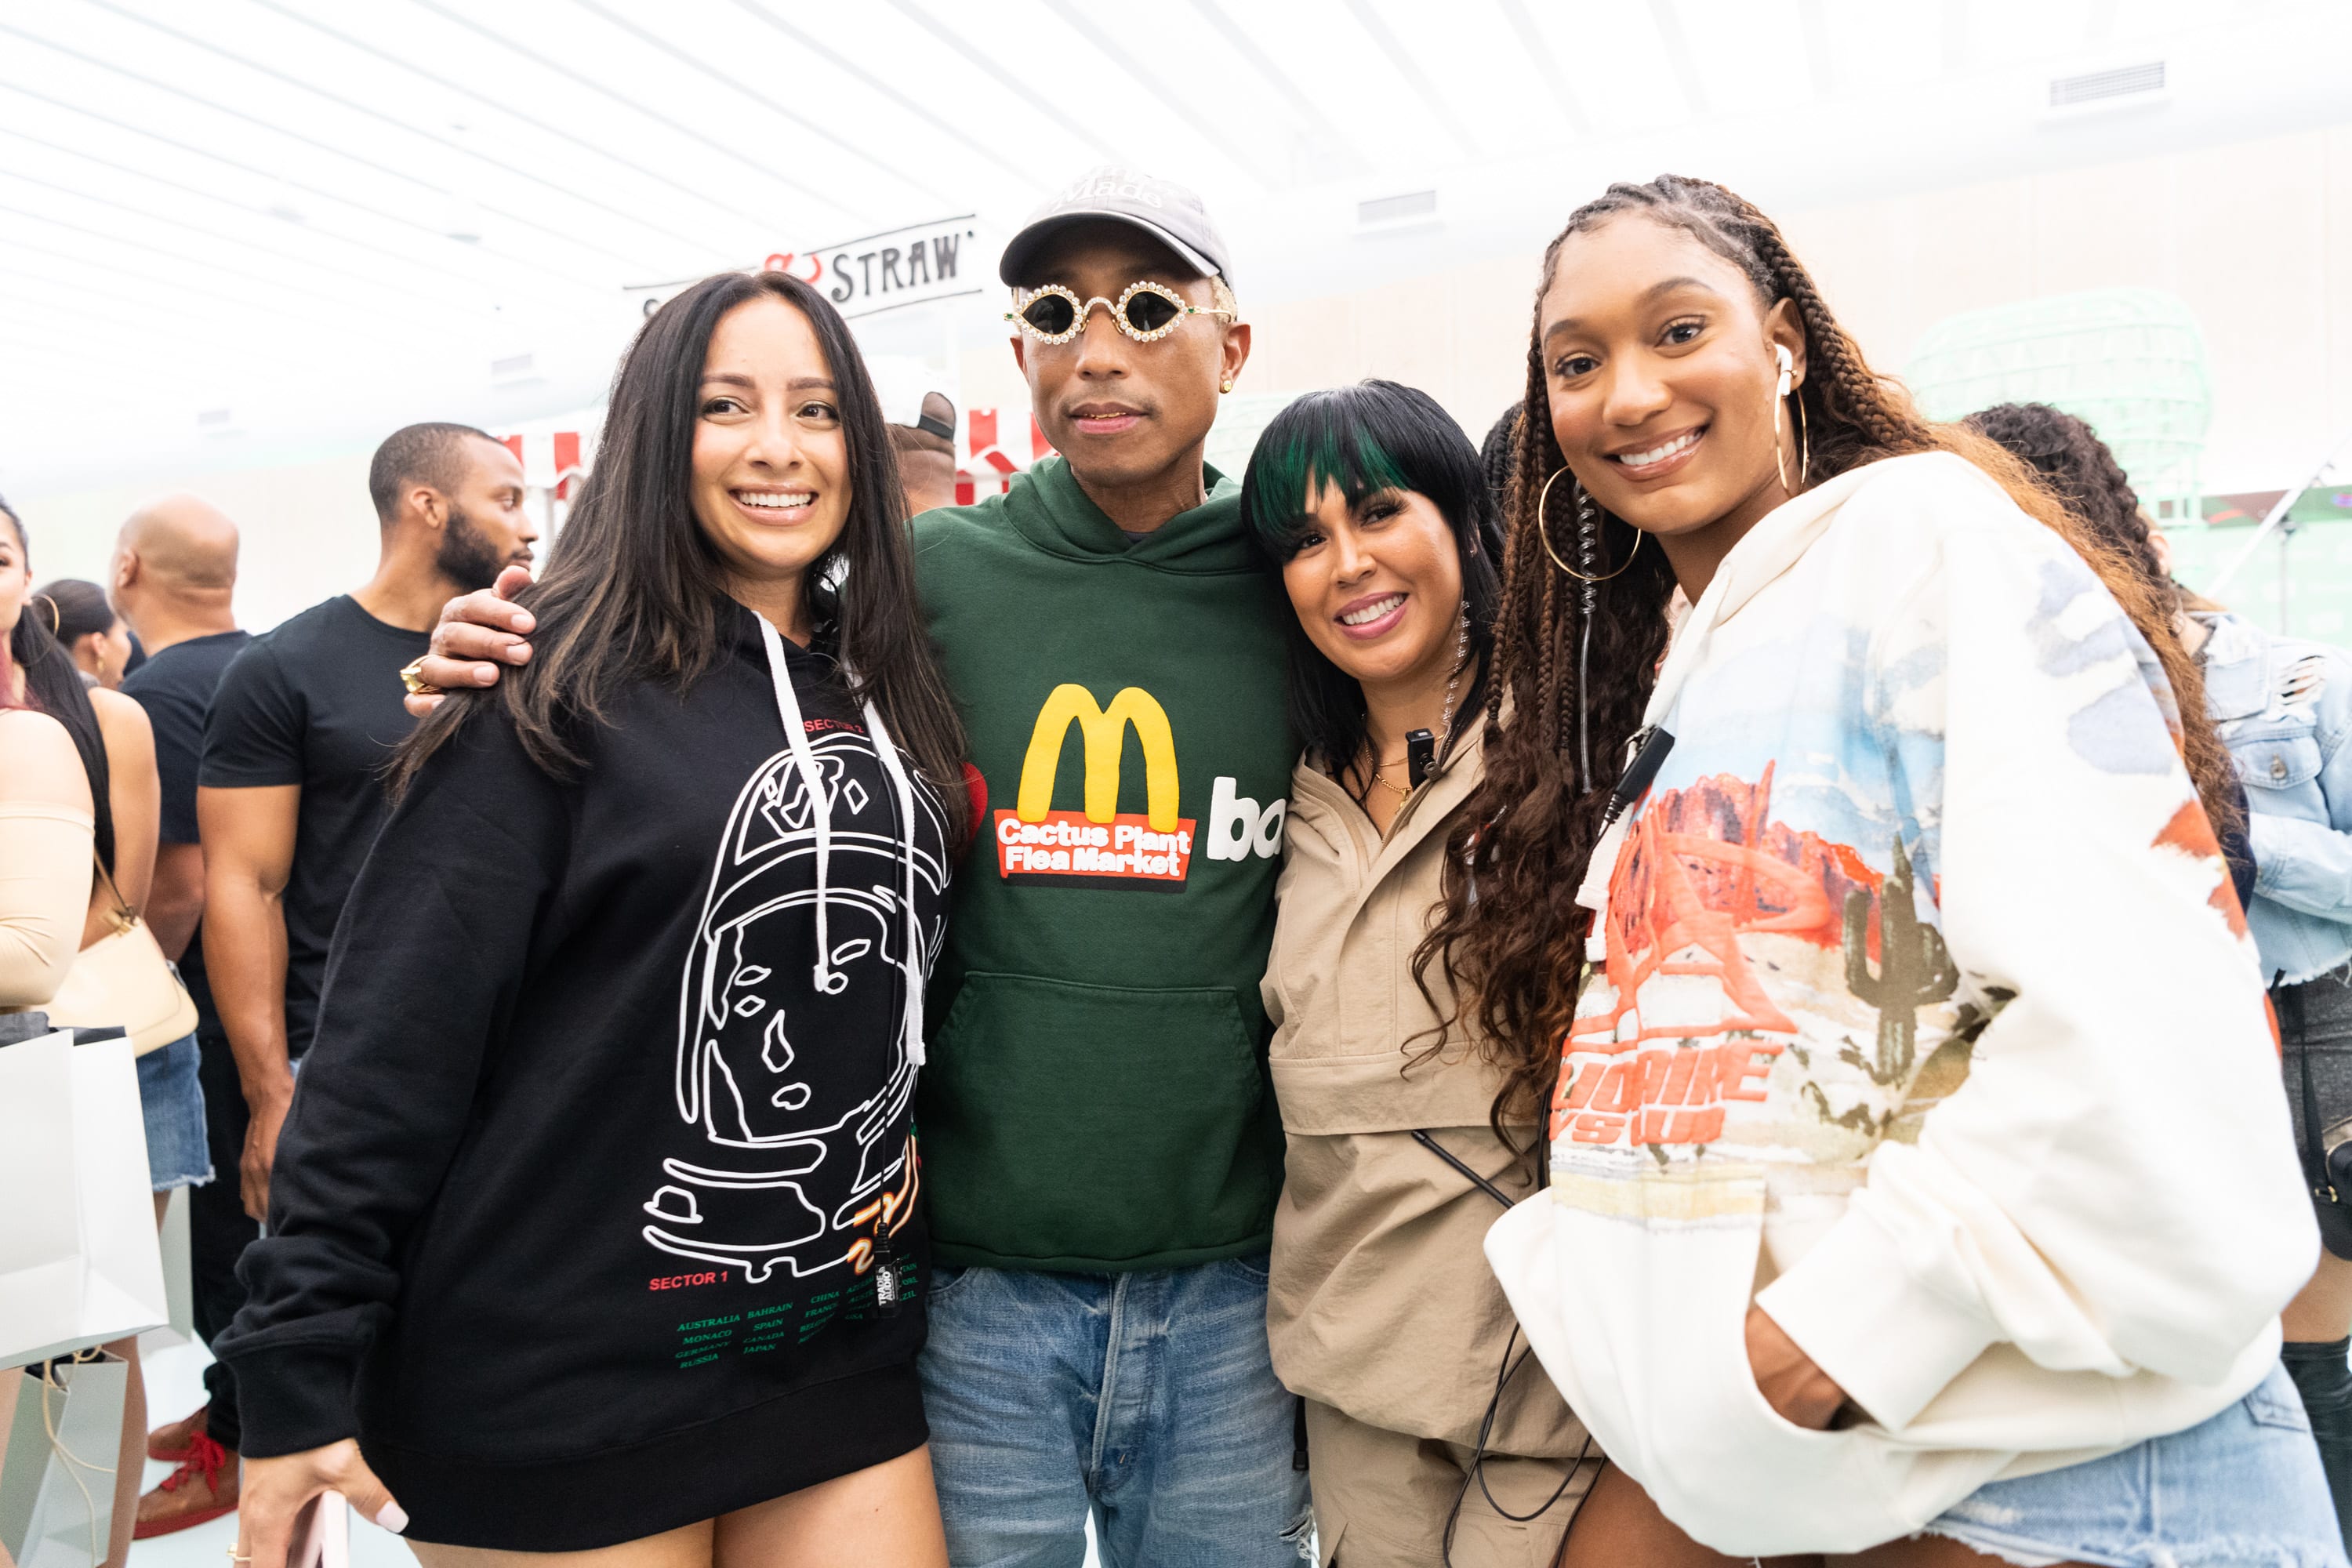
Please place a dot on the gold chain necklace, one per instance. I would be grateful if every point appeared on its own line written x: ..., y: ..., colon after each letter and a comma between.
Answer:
x: 1401, y: 790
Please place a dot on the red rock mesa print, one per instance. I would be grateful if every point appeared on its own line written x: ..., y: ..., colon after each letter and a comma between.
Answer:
x: 1702, y: 867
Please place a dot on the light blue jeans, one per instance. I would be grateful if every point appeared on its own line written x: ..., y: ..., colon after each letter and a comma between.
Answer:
x: 2241, y: 1490
x: 1148, y: 1400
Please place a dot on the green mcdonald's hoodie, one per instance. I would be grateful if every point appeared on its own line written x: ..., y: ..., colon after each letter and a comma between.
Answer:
x: 1096, y: 1097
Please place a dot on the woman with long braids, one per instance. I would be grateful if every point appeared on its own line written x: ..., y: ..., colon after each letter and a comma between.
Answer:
x: 1921, y: 1186
x: 2283, y: 707
x: 1432, y: 1442
x: 605, y: 1241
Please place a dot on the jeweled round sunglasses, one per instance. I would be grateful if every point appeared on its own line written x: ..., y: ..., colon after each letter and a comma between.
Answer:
x: 1145, y: 311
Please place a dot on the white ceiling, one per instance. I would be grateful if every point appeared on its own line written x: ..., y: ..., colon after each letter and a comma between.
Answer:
x: 258, y: 227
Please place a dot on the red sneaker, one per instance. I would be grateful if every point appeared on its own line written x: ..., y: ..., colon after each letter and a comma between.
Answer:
x: 202, y: 1489
x: 170, y: 1444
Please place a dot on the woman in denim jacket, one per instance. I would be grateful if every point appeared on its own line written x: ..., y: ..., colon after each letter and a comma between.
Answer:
x: 2283, y: 707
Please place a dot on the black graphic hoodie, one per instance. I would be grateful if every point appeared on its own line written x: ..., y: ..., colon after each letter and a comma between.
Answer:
x: 595, y: 1213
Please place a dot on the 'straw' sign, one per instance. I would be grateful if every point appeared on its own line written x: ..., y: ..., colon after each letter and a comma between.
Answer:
x: 911, y: 266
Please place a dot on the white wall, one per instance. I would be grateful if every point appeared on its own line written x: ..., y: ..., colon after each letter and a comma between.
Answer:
x: 308, y: 530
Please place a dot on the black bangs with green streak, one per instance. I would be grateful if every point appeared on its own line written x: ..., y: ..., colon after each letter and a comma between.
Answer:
x: 1360, y: 440
x: 1318, y: 440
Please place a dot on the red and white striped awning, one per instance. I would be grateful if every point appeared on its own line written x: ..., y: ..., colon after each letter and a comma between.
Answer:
x: 551, y: 460
x: 988, y: 466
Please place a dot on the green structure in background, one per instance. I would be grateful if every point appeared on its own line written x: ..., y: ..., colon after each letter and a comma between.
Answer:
x: 2130, y: 361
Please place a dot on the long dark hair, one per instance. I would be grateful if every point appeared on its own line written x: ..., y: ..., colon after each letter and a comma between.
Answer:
x: 1518, y: 943
x: 2066, y: 454
x: 1360, y: 439
x: 54, y: 685
x: 635, y: 591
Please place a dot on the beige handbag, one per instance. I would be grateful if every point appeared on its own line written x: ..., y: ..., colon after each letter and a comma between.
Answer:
x: 123, y: 979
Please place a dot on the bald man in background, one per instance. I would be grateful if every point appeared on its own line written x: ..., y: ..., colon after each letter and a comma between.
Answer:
x: 171, y: 578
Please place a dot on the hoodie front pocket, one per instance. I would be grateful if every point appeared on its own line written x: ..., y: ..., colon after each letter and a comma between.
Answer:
x: 1636, y: 1294
x: 1073, y: 1124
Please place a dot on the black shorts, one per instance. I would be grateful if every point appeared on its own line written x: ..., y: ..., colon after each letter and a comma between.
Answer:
x: 2316, y: 1030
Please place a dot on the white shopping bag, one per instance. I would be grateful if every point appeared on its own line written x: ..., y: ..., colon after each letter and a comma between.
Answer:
x: 79, y: 1260
x: 56, y: 1488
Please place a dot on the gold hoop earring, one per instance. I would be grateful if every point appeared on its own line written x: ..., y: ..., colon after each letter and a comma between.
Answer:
x: 1804, y: 445
x: 56, y: 622
x: 1543, y: 531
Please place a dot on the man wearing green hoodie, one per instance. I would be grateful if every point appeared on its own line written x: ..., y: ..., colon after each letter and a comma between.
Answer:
x: 1101, y: 1143
x: 1101, y: 1150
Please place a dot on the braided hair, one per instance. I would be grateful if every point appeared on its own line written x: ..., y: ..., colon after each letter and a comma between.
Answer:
x: 1517, y: 945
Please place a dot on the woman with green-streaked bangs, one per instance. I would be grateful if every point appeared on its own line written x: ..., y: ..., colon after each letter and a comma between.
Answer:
x: 1432, y: 1438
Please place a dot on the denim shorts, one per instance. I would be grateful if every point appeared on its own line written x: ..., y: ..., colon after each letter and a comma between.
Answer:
x: 2243, y: 1490
x: 173, y: 1103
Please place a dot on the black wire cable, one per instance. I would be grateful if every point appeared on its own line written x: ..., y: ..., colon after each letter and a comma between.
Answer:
x: 1503, y: 1372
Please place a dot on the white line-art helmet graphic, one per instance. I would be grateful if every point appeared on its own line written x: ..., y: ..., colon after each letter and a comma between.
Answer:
x: 806, y: 924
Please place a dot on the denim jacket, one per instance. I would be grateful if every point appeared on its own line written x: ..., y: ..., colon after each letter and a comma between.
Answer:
x: 2283, y: 708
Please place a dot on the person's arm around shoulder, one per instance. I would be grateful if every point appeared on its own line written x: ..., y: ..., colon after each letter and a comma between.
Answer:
x: 2302, y: 864
x: 134, y: 794
x: 478, y: 634
x: 45, y: 856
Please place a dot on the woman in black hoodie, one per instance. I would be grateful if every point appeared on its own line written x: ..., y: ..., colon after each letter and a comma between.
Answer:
x: 607, y: 1239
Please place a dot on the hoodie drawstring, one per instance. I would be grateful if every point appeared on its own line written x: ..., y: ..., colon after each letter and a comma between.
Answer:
x: 913, y: 962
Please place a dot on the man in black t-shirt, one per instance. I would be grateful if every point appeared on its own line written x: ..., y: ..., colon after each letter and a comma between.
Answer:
x: 290, y: 791
x: 171, y: 578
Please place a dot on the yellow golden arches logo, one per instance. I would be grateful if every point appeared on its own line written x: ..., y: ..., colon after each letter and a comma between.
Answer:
x: 1105, y: 732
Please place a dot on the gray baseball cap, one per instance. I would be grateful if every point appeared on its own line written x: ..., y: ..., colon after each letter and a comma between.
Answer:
x: 1163, y: 209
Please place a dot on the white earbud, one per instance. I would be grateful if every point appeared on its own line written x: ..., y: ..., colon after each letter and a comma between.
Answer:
x: 1788, y: 367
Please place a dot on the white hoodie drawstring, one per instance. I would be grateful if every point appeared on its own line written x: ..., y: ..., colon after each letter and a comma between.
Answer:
x: 829, y: 980
x: 788, y: 707
x: 911, y: 957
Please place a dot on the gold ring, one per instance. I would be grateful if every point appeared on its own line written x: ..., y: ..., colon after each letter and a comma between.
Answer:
x: 1543, y: 531
x: 411, y: 676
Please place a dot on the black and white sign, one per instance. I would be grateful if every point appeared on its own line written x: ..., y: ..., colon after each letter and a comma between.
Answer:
x: 864, y: 277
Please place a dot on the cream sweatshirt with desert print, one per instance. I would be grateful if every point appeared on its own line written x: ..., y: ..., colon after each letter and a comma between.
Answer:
x: 1920, y: 1012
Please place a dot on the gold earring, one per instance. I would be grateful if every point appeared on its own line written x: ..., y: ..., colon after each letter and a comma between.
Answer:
x: 1804, y: 445
x: 1227, y: 385
x: 1543, y: 531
